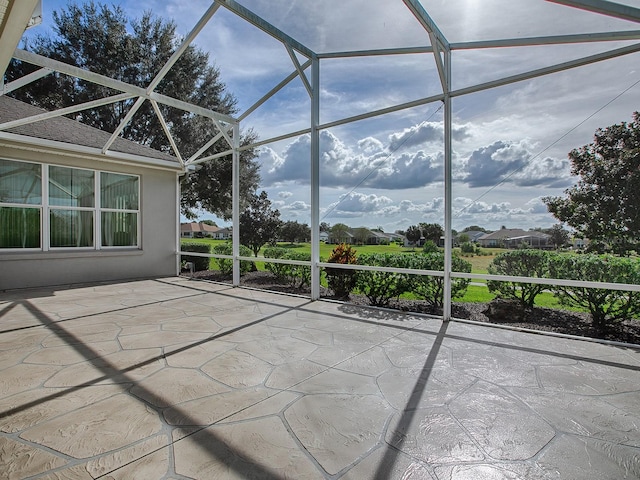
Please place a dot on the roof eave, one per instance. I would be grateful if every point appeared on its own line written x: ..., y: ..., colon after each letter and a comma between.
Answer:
x: 25, y: 142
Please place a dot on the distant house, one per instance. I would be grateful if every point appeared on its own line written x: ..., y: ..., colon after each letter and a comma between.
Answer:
x: 515, y: 238
x: 473, y: 235
x: 324, y: 237
x: 198, y: 230
x: 223, y: 234
x: 373, y: 237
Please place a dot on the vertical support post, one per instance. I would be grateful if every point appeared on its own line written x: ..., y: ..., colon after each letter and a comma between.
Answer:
x: 448, y: 196
x: 235, y: 203
x: 178, y: 194
x: 315, y: 178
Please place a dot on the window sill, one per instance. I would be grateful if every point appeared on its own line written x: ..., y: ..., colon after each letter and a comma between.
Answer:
x: 57, y: 254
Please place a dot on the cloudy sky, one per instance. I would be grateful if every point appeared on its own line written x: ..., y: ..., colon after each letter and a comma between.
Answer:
x: 510, y: 143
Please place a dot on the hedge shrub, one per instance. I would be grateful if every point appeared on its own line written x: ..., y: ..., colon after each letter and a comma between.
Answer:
x: 199, y: 263
x: 431, y: 288
x: 296, y: 276
x: 279, y: 270
x: 381, y: 287
x: 526, y: 263
x: 225, y: 265
x: 606, y: 306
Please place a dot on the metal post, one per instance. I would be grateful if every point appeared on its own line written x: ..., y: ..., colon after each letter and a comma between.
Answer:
x: 235, y: 182
x: 315, y: 178
x: 448, y: 197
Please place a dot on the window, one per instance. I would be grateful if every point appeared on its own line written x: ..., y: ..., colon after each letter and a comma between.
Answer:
x: 51, y: 207
x: 20, y: 204
x: 119, y: 209
x: 71, y: 207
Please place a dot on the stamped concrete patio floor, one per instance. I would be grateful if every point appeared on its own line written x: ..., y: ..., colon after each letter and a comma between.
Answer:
x: 176, y: 378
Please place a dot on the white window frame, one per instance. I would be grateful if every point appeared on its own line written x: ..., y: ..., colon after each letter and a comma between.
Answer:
x: 45, y: 211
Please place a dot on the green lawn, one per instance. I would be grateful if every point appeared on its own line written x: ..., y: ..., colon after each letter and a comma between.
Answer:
x: 479, y: 263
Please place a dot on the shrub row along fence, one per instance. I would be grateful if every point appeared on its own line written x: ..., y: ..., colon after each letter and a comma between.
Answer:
x: 606, y: 306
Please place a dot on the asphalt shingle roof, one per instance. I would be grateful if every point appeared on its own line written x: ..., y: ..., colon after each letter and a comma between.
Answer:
x: 66, y: 130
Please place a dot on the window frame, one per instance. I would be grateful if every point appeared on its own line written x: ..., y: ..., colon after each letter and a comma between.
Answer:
x: 45, y: 209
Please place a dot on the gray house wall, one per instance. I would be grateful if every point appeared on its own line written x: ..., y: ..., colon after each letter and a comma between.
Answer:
x: 158, y: 234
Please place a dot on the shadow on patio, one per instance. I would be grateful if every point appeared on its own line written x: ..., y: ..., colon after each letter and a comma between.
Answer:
x: 176, y: 378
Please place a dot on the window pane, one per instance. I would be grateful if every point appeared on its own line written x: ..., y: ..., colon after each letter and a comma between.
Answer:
x: 119, y: 191
x: 20, y: 182
x: 19, y: 227
x: 119, y: 229
x: 71, y: 187
x: 71, y: 228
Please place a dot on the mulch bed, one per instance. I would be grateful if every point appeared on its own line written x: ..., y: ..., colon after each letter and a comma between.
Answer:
x: 541, y: 319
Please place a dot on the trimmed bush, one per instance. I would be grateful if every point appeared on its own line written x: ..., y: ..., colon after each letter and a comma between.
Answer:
x: 525, y: 263
x: 225, y: 265
x: 296, y: 276
x: 381, y: 287
x: 431, y: 288
x: 279, y: 270
x: 342, y: 282
x: 606, y: 306
x: 199, y: 263
x: 429, y: 247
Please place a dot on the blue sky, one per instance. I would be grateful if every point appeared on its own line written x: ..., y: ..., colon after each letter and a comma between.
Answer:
x: 510, y: 143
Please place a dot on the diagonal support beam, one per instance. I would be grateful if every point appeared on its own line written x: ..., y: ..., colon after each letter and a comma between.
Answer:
x: 108, y: 82
x: 265, y: 26
x: 165, y: 127
x: 427, y: 22
x: 272, y: 92
x: 65, y: 111
x: 26, y: 80
x: 604, y: 7
x: 296, y: 63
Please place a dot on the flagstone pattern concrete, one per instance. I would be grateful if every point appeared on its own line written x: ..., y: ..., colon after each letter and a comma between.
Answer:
x: 175, y: 378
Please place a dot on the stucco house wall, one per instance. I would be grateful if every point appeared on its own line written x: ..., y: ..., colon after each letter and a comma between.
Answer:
x: 64, y: 142
x: 158, y: 230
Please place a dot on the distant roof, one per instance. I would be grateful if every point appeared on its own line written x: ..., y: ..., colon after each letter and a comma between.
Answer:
x: 512, y: 233
x: 68, y: 131
x: 198, y: 227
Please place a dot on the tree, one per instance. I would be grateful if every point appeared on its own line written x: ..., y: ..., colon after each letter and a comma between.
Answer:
x: 604, y: 205
x: 559, y: 235
x: 339, y: 233
x: 431, y: 231
x: 293, y: 232
x: 360, y: 235
x: 474, y: 228
x: 324, y: 227
x: 210, y: 222
x: 101, y: 39
x: 463, y: 238
x: 259, y: 224
x: 413, y: 234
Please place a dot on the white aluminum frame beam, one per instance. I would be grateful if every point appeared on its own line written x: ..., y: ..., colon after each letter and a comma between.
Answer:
x: 549, y: 40
x: 114, y: 84
x: 266, y: 27
x: 604, y: 7
x: 17, y: 15
x: 273, y: 91
x: 26, y: 80
x: 64, y: 111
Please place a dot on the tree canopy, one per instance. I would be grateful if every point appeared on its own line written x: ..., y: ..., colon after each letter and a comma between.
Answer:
x: 604, y: 205
x: 431, y: 231
x: 259, y: 224
x: 293, y: 232
x: 101, y: 39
